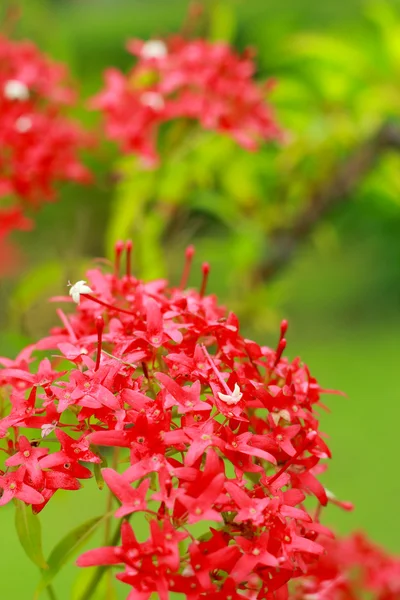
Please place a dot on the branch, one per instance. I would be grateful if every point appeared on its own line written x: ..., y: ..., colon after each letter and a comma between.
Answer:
x: 346, y: 178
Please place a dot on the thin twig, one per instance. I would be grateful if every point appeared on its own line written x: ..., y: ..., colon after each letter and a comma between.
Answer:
x: 345, y: 179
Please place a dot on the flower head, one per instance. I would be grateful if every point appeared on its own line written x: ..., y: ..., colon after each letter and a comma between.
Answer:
x: 77, y: 289
x: 39, y: 144
x: 198, y: 80
x: 165, y: 374
x: 233, y: 398
x: 154, y: 49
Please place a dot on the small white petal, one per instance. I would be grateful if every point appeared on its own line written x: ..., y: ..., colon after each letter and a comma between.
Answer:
x: 330, y: 495
x: 154, y: 49
x: 233, y: 398
x: 284, y: 414
x: 48, y: 428
x: 152, y: 100
x: 23, y: 124
x: 15, y: 90
x: 79, y: 288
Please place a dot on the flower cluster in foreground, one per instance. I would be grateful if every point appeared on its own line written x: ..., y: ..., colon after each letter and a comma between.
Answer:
x: 199, y: 80
x: 215, y: 442
x: 38, y: 145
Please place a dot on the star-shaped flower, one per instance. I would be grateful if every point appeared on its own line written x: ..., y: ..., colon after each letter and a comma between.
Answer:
x: 80, y: 287
x: 233, y: 398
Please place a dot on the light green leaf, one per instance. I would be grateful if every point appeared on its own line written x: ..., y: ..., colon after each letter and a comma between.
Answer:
x: 133, y: 193
x: 151, y: 258
x: 84, y: 584
x: 37, y: 283
x: 29, y: 533
x: 223, y: 21
x: 66, y: 549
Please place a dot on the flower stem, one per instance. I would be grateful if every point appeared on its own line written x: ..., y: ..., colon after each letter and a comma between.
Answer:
x: 51, y: 593
x: 99, y: 571
x: 110, y: 498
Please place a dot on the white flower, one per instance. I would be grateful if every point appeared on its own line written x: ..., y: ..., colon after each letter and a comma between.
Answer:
x: 152, y: 100
x: 48, y: 428
x: 284, y: 414
x: 154, y: 49
x: 79, y: 288
x: 233, y: 398
x: 23, y: 124
x: 15, y: 90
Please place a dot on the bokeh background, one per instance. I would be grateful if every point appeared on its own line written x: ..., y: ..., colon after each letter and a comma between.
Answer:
x: 337, y: 66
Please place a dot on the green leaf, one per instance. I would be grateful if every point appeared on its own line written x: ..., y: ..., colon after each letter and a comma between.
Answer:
x: 84, y: 585
x: 133, y: 193
x: 151, y: 257
x: 223, y: 22
x: 38, y: 282
x: 29, y: 533
x: 66, y: 549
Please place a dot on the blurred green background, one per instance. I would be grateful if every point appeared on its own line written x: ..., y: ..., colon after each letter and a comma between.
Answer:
x: 337, y: 65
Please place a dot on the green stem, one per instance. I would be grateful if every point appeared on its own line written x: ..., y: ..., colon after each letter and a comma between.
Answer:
x: 110, y: 498
x: 107, y: 525
x: 51, y: 593
x: 99, y: 571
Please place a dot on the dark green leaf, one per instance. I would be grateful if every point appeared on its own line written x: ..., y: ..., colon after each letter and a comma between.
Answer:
x: 29, y: 533
x: 66, y: 549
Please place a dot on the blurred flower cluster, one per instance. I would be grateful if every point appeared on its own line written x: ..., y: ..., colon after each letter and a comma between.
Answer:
x: 198, y: 80
x: 38, y: 144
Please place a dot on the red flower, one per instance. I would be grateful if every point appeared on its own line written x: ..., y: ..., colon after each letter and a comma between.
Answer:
x: 28, y: 456
x: 38, y: 145
x: 212, y: 427
x: 72, y: 451
x: 13, y: 486
x: 132, y: 500
x: 195, y: 79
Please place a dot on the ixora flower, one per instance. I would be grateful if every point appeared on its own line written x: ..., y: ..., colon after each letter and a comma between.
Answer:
x: 190, y: 79
x: 153, y: 49
x: 231, y: 398
x: 39, y: 145
x: 215, y: 438
x: 77, y: 289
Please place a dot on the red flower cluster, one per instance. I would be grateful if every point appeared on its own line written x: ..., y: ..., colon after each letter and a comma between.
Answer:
x: 351, y: 568
x: 198, y: 80
x: 217, y: 430
x: 220, y: 436
x: 38, y: 146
